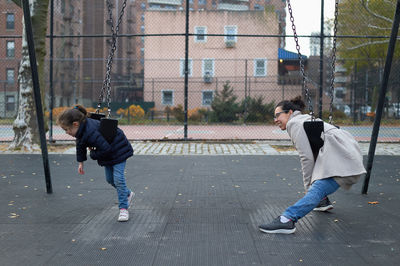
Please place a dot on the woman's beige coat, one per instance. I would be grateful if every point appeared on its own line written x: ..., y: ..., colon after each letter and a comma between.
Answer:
x: 340, y: 157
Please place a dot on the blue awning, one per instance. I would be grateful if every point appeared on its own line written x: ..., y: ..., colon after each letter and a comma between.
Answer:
x: 286, y: 55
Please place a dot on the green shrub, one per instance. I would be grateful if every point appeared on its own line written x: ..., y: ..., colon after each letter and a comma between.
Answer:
x: 256, y: 111
x: 224, y: 106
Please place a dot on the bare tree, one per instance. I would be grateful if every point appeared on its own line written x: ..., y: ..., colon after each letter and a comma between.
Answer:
x: 26, y: 133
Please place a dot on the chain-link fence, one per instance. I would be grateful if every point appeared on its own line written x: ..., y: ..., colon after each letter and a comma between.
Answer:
x: 237, y: 71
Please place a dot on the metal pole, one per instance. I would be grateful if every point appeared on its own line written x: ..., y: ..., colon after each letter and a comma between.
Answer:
x: 321, y: 59
x: 36, y: 90
x: 382, y: 93
x: 51, y: 71
x: 185, y: 125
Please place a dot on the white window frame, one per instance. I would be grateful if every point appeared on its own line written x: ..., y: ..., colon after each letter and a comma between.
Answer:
x: 10, y: 49
x: 226, y: 31
x: 10, y: 78
x: 256, y: 60
x: 10, y: 24
x: 202, y: 97
x: 182, y: 67
x: 163, y: 100
x: 203, y: 65
x: 196, y: 31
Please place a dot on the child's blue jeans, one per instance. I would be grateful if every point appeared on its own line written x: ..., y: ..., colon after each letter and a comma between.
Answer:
x: 318, y: 190
x: 116, y: 178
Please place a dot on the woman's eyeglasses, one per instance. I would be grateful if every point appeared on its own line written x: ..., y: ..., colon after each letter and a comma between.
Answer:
x: 279, y: 113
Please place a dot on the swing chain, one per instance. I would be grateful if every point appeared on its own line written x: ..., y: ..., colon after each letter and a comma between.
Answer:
x: 107, y: 80
x: 304, y: 83
x: 331, y: 91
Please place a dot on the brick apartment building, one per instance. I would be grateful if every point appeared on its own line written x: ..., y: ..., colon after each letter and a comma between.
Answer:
x: 10, y: 56
x: 213, y: 60
x: 79, y: 63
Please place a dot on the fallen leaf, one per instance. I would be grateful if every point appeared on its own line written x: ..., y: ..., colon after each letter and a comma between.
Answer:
x: 336, y: 220
x: 373, y: 202
x: 103, y: 248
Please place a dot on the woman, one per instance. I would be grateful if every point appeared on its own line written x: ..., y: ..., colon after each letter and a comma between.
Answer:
x: 338, y: 164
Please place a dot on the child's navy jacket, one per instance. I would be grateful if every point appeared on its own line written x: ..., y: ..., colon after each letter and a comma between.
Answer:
x: 88, y: 135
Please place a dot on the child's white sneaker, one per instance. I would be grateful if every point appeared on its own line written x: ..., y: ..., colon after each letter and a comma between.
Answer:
x: 123, y: 215
x: 130, y: 198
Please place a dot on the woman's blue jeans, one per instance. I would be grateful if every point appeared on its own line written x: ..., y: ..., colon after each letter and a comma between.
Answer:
x: 318, y: 190
x: 116, y: 178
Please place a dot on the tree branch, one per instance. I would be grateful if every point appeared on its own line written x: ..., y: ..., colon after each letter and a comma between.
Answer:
x: 366, y: 44
x: 378, y: 27
x: 365, y: 4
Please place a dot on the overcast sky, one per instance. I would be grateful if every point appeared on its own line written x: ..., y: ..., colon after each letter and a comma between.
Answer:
x: 307, y: 18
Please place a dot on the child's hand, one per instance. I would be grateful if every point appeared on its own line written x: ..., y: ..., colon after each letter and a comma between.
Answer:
x: 80, y: 169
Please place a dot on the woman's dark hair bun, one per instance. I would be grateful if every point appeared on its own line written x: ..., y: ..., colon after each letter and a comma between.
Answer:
x: 298, y: 102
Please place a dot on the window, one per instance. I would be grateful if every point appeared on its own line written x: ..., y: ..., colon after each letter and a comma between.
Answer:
x: 167, y: 97
x: 258, y: 7
x: 142, y: 52
x: 143, y: 6
x: 202, y: 2
x: 231, y: 32
x: 10, y: 75
x: 207, y: 98
x: 62, y: 7
x: 208, y: 67
x: 10, y: 48
x: 142, y: 29
x: 10, y: 21
x: 10, y: 104
x: 201, y: 31
x: 182, y: 67
x: 260, y: 67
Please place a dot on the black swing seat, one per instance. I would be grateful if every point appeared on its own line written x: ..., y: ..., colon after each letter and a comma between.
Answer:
x: 96, y: 116
x: 313, y: 130
x: 108, y: 128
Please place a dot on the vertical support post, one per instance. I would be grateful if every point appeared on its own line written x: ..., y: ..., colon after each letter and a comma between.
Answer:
x: 321, y: 60
x: 36, y: 90
x: 245, y: 90
x: 185, y: 125
x: 51, y: 71
x: 382, y: 94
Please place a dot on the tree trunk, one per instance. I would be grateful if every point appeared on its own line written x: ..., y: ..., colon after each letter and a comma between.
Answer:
x: 26, y: 133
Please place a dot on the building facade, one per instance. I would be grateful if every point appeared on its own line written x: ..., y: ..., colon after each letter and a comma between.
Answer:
x: 249, y: 65
x: 10, y: 56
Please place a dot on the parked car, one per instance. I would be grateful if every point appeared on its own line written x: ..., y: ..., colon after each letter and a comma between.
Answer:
x: 344, y: 108
x: 394, y: 110
x: 365, y: 109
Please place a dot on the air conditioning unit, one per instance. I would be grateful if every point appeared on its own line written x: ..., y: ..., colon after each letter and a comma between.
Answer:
x: 208, y: 78
x: 230, y: 43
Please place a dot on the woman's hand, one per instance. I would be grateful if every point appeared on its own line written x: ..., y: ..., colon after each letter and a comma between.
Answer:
x: 80, y: 169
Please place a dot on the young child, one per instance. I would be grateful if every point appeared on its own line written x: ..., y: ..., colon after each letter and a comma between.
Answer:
x: 112, y: 156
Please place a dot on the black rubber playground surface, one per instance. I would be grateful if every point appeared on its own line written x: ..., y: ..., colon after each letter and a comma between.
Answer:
x: 191, y: 210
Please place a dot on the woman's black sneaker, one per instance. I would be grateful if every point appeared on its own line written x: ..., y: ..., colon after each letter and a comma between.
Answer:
x: 277, y: 227
x: 324, y: 205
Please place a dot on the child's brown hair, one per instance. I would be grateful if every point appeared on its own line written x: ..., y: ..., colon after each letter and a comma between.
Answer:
x: 76, y: 114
